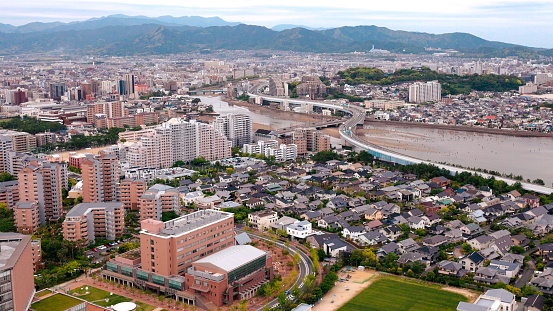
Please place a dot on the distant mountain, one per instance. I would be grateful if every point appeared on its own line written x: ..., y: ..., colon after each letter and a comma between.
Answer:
x: 455, y: 40
x: 282, y: 27
x: 138, y: 35
x: 117, y: 20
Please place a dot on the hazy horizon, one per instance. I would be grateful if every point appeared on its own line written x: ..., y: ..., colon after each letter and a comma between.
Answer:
x: 511, y: 21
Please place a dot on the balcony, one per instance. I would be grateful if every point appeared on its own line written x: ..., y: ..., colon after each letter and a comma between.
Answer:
x: 203, y: 289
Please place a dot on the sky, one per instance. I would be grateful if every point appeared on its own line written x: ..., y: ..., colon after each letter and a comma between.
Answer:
x: 513, y: 21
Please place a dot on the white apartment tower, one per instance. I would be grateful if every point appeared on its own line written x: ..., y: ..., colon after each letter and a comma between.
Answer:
x: 422, y: 92
x: 238, y: 128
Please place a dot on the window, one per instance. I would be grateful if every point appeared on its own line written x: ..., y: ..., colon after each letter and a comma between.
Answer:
x: 159, y: 280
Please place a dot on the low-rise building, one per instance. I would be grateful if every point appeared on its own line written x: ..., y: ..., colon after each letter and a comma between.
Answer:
x: 262, y: 220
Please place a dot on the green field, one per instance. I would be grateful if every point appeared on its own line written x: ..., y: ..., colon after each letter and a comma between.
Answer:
x: 392, y: 293
x: 57, y: 302
x: 98, y: 296
x: 140, y: 306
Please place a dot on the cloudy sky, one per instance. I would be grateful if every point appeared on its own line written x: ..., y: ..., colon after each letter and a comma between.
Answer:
x: 514, y: 21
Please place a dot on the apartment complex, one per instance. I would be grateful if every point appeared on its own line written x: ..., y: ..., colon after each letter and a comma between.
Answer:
x: 238, y: 128
x: 21, y: 141
x: 41, y: 182
x: 27, y: 217
x: 89, y: 221
x: 271, y: 148
x: 6, y: 145
x: 283, y: 152
x: 233, y: 274
x: 97, y: 112
x: 9, y: 193
x: 131, y: 190
x: 178, y: 140
x: 156, y: 200
x: 422, y: 92
x: 310, y: 139
x: 36, y: 251
x: 100, y: 178
x: 277, y: 87
x: 17, y: 284
x: 311, y: 86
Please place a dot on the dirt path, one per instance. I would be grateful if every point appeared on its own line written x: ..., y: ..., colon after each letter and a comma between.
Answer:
x: 358, y: 282
x: 471, y: 295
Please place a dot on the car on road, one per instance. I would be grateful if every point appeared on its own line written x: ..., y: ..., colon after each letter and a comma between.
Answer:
x: 90, y: 256
x: 102, y: 247
x: 94, y: 249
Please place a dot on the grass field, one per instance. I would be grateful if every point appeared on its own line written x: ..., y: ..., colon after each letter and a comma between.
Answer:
x: 98, y: 296
x: 57, y: 302
x: 140, y: 306
x: 392, y: 293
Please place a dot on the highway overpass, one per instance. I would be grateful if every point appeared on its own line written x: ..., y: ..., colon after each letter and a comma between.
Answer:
x: 347, y: 132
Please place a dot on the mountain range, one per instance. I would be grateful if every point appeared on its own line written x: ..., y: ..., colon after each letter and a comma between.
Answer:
x: 141, y: 35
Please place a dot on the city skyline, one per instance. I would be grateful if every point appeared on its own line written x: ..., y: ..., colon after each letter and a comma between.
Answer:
x: 508, y: 21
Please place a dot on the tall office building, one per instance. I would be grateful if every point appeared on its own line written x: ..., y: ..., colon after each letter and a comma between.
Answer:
x: 17, y: 284
x: 42, y: 182
x: 57, y: 90
x: 422, y: 92
x: 130, y: 81
x: 238, y: 128
x: 100, y: 178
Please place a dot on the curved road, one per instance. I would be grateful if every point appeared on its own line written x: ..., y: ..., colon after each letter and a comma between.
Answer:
x: 358, y: 117
x: 305, y: 265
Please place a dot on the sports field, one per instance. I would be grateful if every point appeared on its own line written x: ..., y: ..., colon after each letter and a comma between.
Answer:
x: 392, y: 293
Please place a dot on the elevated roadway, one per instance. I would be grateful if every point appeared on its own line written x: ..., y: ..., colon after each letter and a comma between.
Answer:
x: 357, y: 116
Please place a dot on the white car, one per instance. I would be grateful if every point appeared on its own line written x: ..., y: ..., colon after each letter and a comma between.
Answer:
x: 101, y: 247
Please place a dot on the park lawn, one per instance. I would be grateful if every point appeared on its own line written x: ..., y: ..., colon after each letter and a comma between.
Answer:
x: 56, y: 302
x: 98, y: 296
x: 393, y: 293
x: 141, y: 306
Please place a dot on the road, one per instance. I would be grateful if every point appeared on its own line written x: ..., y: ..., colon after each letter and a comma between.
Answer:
x: 357, y: 116
x: 526, y: 275
x: 305, y: 265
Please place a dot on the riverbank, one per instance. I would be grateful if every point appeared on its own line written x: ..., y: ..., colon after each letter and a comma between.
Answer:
x: 277, y: 113
x: 461, y: 128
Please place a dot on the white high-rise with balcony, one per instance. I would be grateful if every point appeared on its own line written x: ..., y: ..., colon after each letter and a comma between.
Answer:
x: 422, y: 92
x: 238, y: 128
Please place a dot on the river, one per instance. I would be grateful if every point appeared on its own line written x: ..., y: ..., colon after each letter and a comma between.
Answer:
x: 526, y: 156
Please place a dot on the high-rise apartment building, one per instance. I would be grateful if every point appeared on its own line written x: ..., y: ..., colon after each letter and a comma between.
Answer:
x: 277, y: 87
x: 107, y: 109
x: 100, y: 178
x: 21, y: 141
x: 178, y: 140
x: 259, y: 147
x: 422, y: 92
x: 9, y: 193
x: 17, y: 284
x: 17, y: 96
x: 131, y: 190
x: 158, y: 199
x: 36, y: 250
x: 238, y: 128
x: 42, y: 182
x: 6, y: 145
x: 90, y: 221
x: 283, y: 153
x: 310, y: 139
x: 27, y: 217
